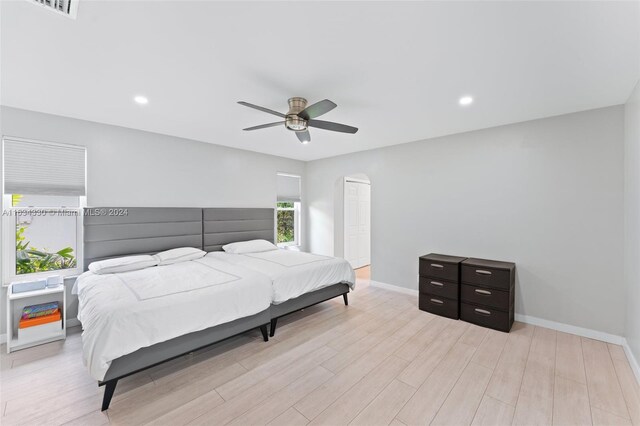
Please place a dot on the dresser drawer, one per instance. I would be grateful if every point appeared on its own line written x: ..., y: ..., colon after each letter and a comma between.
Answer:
x: 485, y: 296
x: 486, y: 317
x: 439, y: 287
x: 438, y: 305
x: 442, y: 270
x: 483, y: 276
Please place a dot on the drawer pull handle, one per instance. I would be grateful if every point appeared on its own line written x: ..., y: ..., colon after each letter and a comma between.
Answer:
x: 436, y: 284
x: 437, y: 266
x: 483, y: 292
x: 436, y: 301
x: 482, y: 311
x: 482, y: 272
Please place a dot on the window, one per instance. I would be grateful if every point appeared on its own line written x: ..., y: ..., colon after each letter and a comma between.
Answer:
x: 288, y: 218
x: 288, y: 210
x: 43, y: 194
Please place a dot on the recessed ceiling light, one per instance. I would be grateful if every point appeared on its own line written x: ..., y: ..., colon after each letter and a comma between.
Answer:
x: 465, y: 100
x: 142, y: 100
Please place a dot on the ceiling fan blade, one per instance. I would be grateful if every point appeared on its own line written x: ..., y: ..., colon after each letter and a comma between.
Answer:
x: 263, y: 109
x: 304, y: 136
x: 335, y: 127
x: 264, y: 126
x: 317, y: 109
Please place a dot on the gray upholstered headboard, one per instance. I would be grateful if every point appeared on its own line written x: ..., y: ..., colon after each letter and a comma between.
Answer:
x: 108, y: 232
x: 223, y: 226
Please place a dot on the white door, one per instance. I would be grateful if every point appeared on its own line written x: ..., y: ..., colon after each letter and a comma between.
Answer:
x: 357, y: 223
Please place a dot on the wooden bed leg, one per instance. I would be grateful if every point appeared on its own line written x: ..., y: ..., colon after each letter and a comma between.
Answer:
x: 263, y: 329
x: 109, y: 388
x: 346, y: 299
x: 272, y: 331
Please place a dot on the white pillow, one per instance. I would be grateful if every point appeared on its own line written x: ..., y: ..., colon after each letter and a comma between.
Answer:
x: 122, y: 264
x: 181, y: 254
x: 253, y: 246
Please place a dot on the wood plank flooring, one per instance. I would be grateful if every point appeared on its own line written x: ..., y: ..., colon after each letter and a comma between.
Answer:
x: 379, y: 361
x: 363, y: 273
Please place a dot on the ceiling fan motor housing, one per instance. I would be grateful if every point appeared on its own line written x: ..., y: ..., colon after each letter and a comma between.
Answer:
x: 292, y: 121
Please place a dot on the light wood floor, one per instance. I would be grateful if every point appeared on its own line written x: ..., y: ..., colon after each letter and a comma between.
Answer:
x: 363, y: 273
x: 378, y: 361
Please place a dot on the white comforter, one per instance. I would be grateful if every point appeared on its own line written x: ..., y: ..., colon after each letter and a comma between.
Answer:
x: 293, y: 273
x: 121, y: 313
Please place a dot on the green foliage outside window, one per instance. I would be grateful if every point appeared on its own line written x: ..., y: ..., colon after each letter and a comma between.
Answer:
x: 30, y: 260
x: 286, y: 223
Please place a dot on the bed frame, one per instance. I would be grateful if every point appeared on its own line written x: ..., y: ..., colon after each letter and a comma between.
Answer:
x: 119, y: 231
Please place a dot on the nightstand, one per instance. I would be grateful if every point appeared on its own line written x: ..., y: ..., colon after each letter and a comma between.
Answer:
x: 17, y: 301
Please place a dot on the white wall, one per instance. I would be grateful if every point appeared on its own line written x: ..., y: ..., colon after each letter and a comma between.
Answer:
x: 132, y: 168
x: 546, y: 194
x: 632, y: 219
x: 50, y: 233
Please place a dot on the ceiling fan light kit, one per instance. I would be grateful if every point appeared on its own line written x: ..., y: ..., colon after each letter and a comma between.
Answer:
x: 300, y: 117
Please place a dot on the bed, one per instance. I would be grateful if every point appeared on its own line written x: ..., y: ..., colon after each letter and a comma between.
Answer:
x: 117, y: 232
x: 299, y: 279
x: 124, y: 312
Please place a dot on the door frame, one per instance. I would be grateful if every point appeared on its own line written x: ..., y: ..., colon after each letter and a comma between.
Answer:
x: 346, y: 179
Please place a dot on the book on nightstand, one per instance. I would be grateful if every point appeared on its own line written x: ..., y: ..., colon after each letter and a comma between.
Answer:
x: 40, y: 310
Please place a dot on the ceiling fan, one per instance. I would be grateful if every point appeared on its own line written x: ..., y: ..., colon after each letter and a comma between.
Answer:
x: 301, y: 116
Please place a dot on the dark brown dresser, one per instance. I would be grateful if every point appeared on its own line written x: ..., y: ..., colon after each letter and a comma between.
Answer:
x: 487, y: 293
x: 439, y: 284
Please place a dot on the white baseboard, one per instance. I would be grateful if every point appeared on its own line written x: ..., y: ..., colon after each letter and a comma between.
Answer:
x: 393, y: 288
x: 572, y: 329
x: 579, y: 331
x: 635, y: 366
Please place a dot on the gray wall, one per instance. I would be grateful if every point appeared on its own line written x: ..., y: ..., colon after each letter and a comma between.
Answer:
x: 632, y: 219
x: 132, y: 168
x: 546, y: 194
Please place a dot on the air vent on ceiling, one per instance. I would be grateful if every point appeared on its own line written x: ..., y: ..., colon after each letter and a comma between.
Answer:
x: 66, y: 7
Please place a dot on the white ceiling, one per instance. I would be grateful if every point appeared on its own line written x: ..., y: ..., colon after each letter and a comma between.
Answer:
x: 395, y: 69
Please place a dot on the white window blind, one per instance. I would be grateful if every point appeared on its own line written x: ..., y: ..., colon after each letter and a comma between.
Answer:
x: 41, y: 168
x: 288, y: 188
